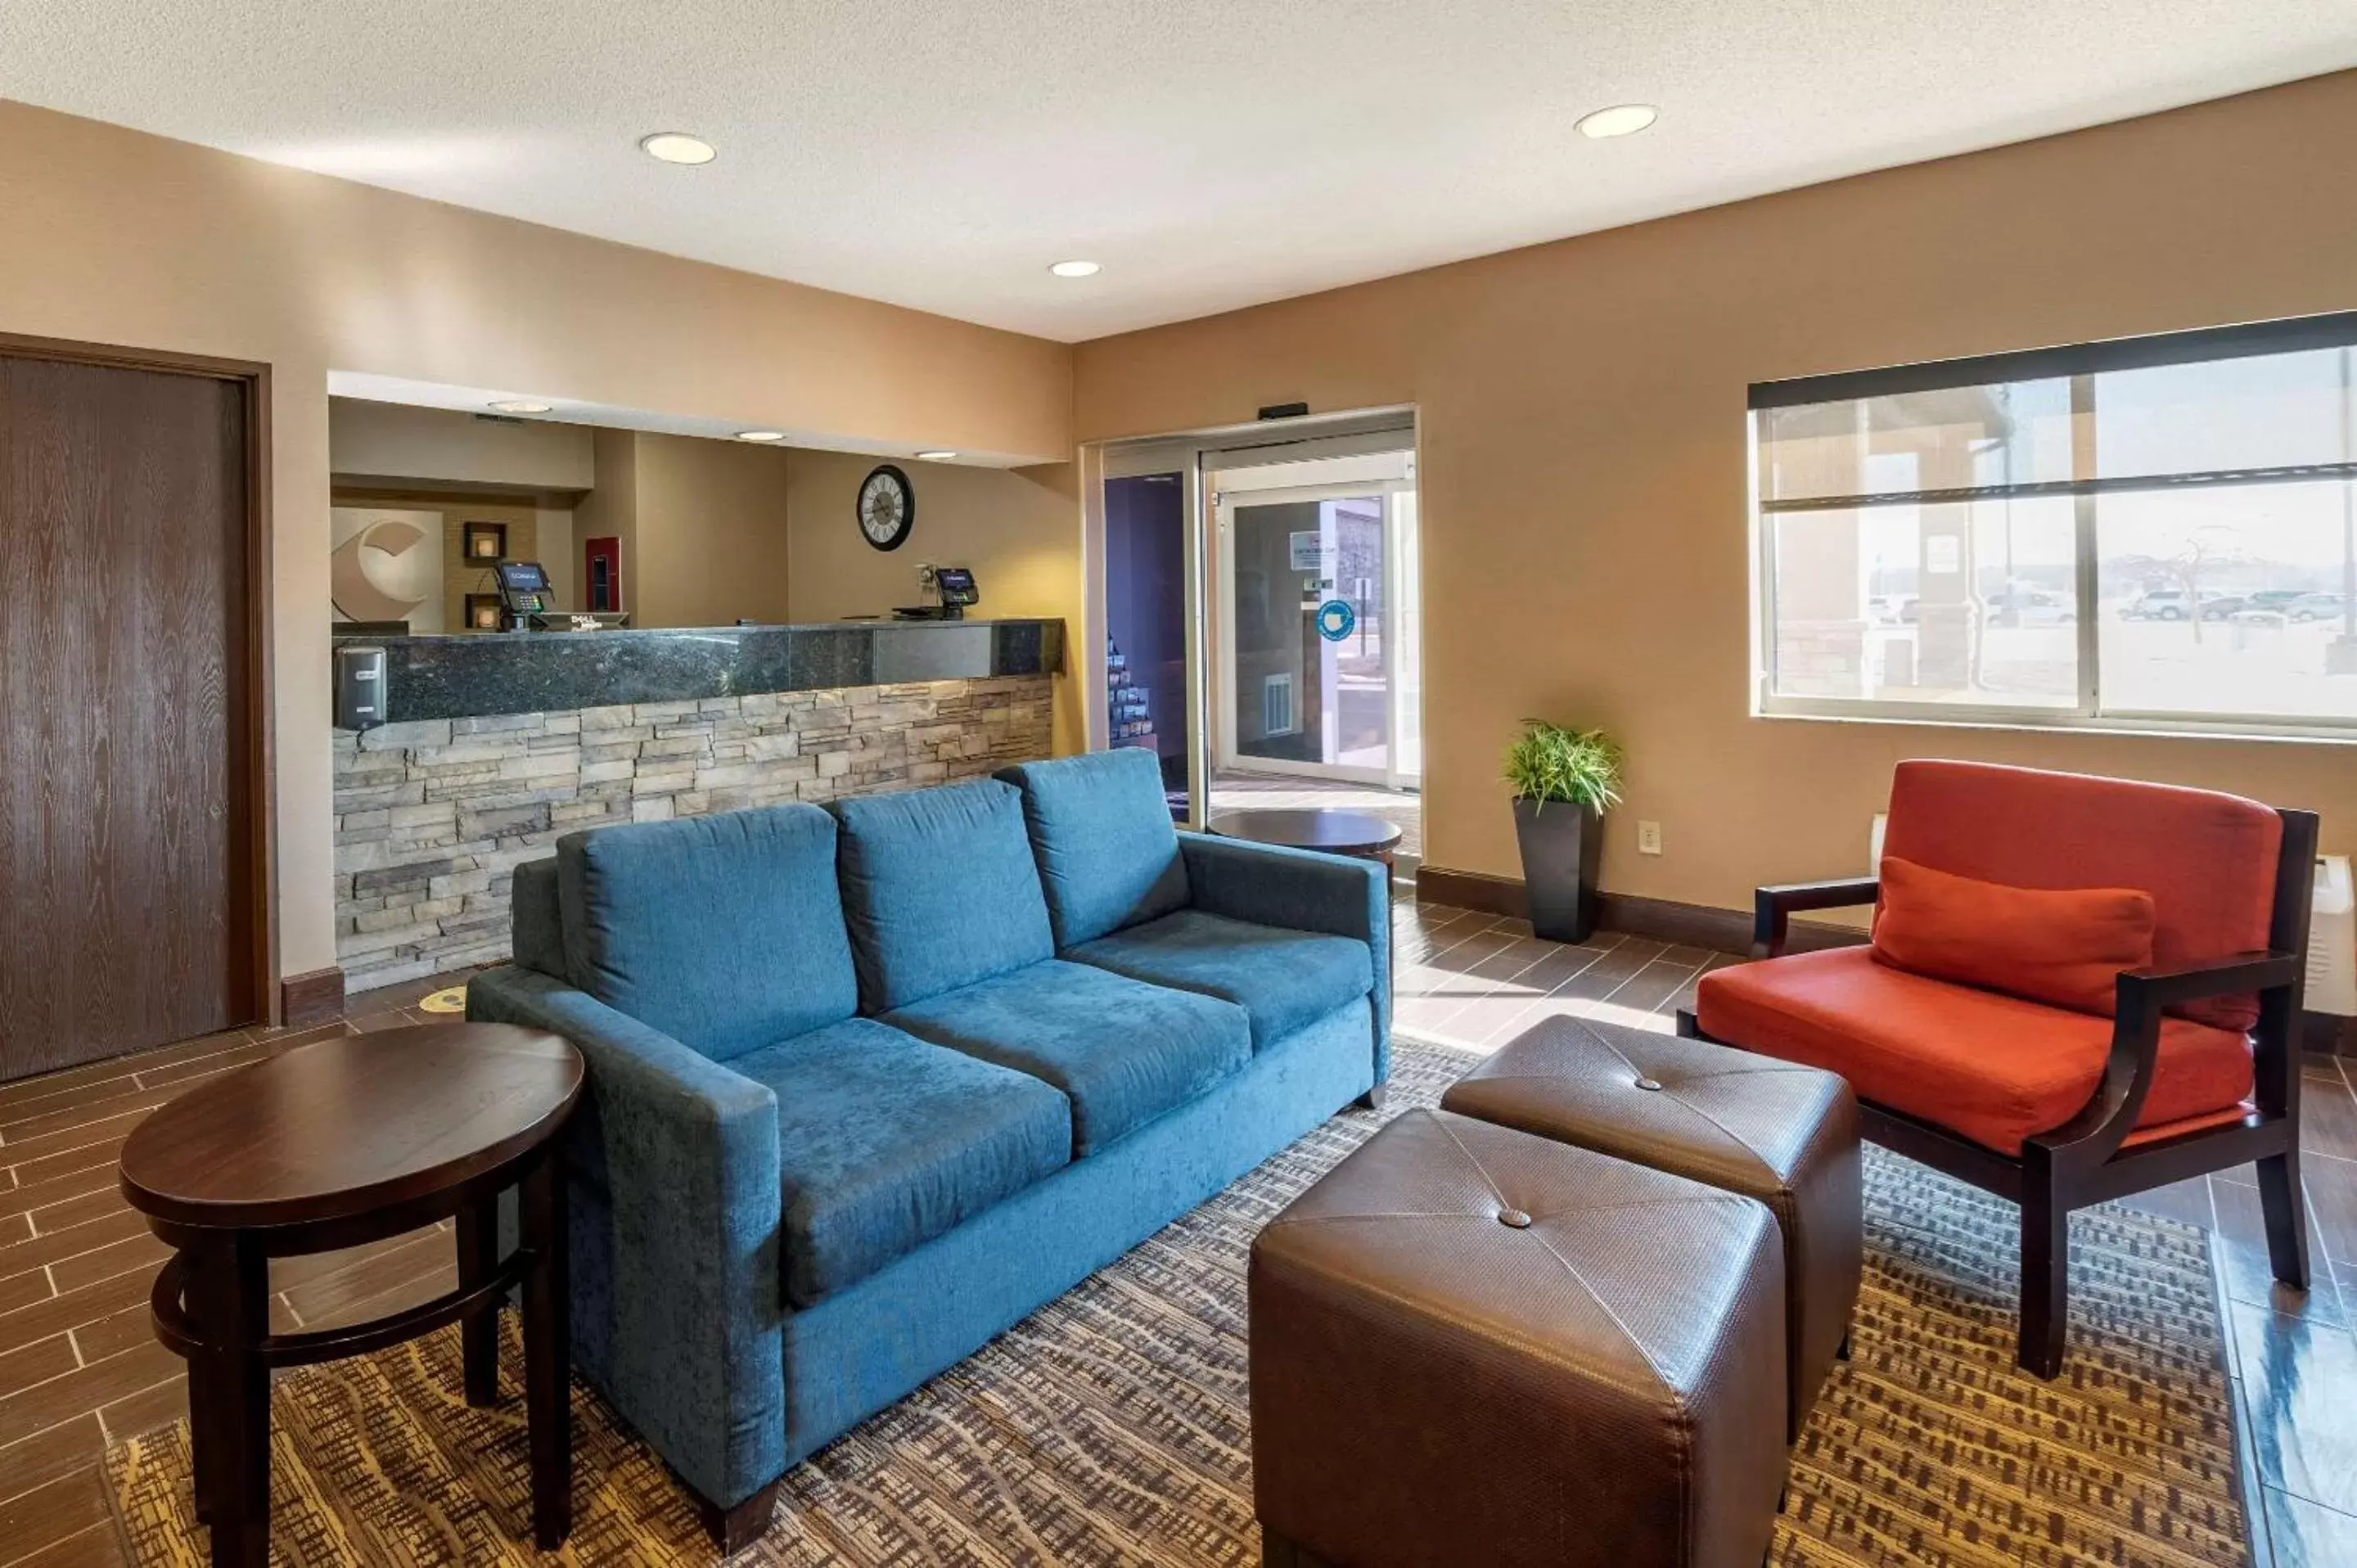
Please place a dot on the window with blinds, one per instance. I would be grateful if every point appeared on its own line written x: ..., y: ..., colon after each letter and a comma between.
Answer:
x: 2153, y: 532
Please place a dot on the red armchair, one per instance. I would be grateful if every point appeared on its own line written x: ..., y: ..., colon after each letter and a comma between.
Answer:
x: 2195, y: 1070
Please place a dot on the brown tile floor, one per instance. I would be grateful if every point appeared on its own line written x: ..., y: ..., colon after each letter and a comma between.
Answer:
x: 79, y: 1365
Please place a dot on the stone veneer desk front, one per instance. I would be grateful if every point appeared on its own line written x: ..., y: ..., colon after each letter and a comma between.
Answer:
x: 503, y: 743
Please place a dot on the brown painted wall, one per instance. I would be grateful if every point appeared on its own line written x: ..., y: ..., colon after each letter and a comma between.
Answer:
x: 1582, y: 431
x: 115, y: 237
x: 1019, y: 530
x: 707, y: 540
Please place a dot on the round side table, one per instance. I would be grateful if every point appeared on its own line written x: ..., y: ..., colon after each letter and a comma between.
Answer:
x: 1326, y: 828
x: 336, y: 1143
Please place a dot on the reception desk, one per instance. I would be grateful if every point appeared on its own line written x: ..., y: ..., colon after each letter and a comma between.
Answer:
x: 503, y: 743
x: 472, y: 674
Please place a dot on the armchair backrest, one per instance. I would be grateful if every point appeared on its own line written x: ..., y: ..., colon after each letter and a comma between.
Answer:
x: 2207, y: 858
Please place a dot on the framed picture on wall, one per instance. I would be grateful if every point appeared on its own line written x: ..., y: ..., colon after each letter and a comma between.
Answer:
x: 485, y: 542
x: 482, y: 612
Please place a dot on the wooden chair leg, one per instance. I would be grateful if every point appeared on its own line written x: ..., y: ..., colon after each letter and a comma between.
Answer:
x: 2045, y: 1275
x: 2285, y: 1212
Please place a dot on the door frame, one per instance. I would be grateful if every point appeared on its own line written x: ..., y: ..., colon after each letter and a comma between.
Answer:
x: 1198, y: 457
x: 254, y: 754
x: 1223, y: 692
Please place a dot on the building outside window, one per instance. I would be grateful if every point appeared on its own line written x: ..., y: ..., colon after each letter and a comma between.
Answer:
x: 2156, y: 533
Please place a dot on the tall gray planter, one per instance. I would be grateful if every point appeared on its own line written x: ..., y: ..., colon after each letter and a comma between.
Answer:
x: 1562, y: 846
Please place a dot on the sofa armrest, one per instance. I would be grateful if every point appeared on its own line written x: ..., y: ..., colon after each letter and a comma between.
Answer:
x: 1306, y: 891
x: 1772, y: 909
x: 683, y: 1297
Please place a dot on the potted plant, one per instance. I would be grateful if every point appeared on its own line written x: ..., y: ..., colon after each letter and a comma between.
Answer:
x: 1564, y: 782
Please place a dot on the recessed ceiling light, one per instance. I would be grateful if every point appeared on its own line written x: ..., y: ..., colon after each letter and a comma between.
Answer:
x: 677, y: 147
x: 1075, y: 269
x: 760, y: 435
x: 518, y: 406
x: 1620, y: 120
x: 935, y: 456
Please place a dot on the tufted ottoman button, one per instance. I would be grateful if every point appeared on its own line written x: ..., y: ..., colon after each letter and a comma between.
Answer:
x: 1649, y: 1086
x: 1514, y: 1217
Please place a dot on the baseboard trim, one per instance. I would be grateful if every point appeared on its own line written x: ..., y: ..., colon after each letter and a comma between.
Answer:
x: 317, y: 997
x: 1661, y: 919
x: 2328, y: 1033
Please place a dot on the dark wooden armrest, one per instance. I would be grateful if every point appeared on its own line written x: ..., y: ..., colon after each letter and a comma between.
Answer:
x: 2161, y: 987
x: 1773, y: 908
x: 2093, y: 1135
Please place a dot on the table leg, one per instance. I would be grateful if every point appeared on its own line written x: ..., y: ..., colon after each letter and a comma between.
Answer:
x: 227, y: 1297
x: 204, y: 1438
x: 479, y: 1335
x: 548, y: 1350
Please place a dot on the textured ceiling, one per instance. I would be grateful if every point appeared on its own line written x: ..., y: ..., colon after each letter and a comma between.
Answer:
x: 1211, y: 153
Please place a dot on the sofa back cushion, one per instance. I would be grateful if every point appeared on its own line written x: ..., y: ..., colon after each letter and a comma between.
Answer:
x: 1100, y: 831
x: 2065, y: 948
x: 726, y: 931
x: 939, y: 890
x: 2206, y: 859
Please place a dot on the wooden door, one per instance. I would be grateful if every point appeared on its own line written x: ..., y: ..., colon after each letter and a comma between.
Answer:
x: 128, y: 828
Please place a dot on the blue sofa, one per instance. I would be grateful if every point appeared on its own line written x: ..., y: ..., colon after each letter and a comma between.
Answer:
x: 868, y: 1084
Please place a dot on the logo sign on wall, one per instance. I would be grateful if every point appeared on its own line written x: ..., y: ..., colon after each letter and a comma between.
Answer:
x: 1336, y: 619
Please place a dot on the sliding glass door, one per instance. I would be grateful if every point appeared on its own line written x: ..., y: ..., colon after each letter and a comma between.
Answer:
x: 1317, y: 642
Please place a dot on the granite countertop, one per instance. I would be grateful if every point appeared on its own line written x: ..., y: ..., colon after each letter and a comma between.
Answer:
x: 869, y: 623
x: 473, y: 674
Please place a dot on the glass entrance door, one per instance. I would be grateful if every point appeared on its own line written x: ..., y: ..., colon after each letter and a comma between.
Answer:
x: 1317, y: 637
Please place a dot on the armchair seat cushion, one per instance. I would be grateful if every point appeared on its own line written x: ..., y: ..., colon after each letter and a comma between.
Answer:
x: 1283, y: 979
x: 1122, y: 1051
x: 1993, y: 1067
x: 884, y: 1141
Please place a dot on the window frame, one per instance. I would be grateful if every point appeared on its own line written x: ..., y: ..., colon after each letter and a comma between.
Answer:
x: 2078, y: 364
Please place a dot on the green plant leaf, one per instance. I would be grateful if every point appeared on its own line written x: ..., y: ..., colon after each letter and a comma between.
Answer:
x: 1548, y: 763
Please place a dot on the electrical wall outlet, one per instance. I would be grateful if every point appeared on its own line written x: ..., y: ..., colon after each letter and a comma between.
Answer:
x: 1648, y: 838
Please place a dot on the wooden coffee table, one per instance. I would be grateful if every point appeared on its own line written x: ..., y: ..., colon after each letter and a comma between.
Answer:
x: 331, y: 1145
x: 1330, y: 829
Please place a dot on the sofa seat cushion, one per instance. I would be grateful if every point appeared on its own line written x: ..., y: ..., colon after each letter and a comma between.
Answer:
x: 1123, y: 1051
x: 1282, y: 979
x: 1993, y: 1067
x: 884, y: 1141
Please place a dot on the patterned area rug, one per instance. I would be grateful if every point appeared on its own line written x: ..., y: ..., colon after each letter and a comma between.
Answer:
x: 1109, y: 1427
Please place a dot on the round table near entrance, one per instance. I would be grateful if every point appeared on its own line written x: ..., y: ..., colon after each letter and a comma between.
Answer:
x: 330, y: 1145
x: 1326, y: 828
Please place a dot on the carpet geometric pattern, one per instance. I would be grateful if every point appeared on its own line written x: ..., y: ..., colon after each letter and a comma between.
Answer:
x: 1110, y: 1427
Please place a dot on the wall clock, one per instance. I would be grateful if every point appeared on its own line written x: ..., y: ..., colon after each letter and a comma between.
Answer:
x: 888, y: 508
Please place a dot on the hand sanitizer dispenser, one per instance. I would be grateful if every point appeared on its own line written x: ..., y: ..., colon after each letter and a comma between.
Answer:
x: 359, y: 688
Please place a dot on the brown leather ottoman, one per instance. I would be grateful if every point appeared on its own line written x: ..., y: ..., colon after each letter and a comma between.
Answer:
x: 1473, y: 1346
x: 1783, y: 1133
